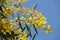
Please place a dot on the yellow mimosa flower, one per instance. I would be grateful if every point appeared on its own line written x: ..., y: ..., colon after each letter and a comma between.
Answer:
x: 48, y: 29
x: 11, y: 21
x: 16, y: 18
x: 18, y: 31
x: 44, y: 27
x: 30, y: 19
x: 4, y: 33
x: 7, y: 30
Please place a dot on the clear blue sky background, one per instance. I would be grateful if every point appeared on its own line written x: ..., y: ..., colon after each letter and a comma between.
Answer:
x: 51, y: 10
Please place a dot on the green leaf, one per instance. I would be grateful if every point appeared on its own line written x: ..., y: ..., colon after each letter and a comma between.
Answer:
x: 34, y: 36
x: 35, y: 29
x: 20, y: 25
x: 24, y: 28
x: 28, y: 29
x: 34, y: 6
x: 1, y: 9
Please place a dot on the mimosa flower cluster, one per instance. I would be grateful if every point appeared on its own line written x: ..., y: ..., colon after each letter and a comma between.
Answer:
x: 14, y: 29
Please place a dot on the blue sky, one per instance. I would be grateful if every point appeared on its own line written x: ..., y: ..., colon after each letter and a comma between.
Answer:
x: 51, y: 10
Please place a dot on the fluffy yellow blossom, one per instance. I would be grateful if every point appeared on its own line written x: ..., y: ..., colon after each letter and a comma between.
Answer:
x: 43, y: 27
x: 4, y: 21
x: 4, y: 33
x: 22, y: 1
x: 16, y: 18
x: 24, y: 36
x: 35, y: 18
x: 7, y: 30
x: 27, y: 14
x: 2, y: 30
x: 6, y: 27
x: 48, y: 29
x: 49, y: 26
x: 30, y: 19
x: 23, y: 18
x: 7, y: 12
x: 24, y: 33
x: 43, y: 22
x: 18, y: 31
x: 11, y: 21
x: 15, y: 29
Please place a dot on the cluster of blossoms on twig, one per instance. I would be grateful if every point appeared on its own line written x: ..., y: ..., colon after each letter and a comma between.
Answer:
x: 13, y: 29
